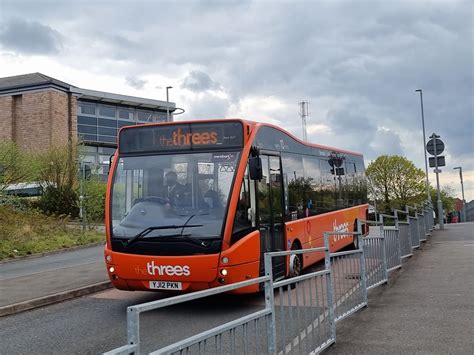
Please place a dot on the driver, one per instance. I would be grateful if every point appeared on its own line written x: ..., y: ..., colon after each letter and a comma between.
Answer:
x: 174, y: 190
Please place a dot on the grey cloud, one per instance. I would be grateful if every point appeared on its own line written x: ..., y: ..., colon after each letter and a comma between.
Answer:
x: 369, y: 55
x: 136, y: 83
x: 207, y: 108
x: 29, y: 37
x: 199, y: 81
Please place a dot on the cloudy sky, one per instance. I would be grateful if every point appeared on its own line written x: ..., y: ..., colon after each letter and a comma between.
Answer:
x: 358, y: 63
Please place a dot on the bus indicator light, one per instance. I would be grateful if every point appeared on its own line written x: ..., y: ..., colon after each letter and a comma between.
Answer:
x: 225, y: 260
x: 108, y: 258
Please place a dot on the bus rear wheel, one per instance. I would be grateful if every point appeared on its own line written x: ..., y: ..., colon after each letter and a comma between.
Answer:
x: 296, y: 262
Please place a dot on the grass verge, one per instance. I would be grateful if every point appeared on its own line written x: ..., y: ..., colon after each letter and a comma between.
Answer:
x: 31, y: 232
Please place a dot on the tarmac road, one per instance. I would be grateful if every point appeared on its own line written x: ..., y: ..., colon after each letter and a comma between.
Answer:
x: 28, y: 266
x: 96, y: 323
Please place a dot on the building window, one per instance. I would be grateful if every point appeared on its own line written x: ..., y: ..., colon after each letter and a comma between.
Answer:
x: 107, y: 123
x: 126, y: 114
x: 91, y: 121
x: 107, y: 111
x: 144, y: 116
x: 86, y: 109
x: 87, y: 129
x: 88, y: 137
x: 160, y: 116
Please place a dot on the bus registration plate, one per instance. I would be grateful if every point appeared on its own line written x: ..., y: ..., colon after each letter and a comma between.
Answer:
x: 165, y: 285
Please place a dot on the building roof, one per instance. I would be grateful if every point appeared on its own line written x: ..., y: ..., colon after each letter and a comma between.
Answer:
x: 34, y: 81
x: 30, y: 81
x: 107, y: 97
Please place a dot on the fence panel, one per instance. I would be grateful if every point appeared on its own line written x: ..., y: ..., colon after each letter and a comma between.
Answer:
x: 375, y: 260
x: 421, y: 227
x: 430, y: 218
x: 414, y: 234
x: 348, y: 279
x: 406, y: 249
x: 391, y: 234
x: 303, y: 307
x: 253, y: 331
x: 427, y: 222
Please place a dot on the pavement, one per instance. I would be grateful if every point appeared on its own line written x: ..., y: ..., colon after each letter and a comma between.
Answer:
x: 37, y: 281
x: 426, y: 308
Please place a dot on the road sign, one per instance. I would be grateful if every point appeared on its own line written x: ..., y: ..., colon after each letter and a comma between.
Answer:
x: 441, y: 161
x: 430, y: 146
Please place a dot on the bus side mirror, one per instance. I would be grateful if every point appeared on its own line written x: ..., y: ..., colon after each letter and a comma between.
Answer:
x: 255, y: 168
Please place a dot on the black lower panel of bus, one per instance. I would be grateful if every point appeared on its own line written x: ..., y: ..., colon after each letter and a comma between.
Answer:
x: 166, y: 247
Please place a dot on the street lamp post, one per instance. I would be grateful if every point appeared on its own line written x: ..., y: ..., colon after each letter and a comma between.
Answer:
x: 168, y: 103
x: 424, y: 145
x: 462, y: 191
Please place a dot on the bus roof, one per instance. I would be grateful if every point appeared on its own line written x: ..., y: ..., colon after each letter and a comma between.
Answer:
x: 252, y: 125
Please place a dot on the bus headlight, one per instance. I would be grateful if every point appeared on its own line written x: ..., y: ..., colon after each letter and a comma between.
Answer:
x: 111, y: 269
x: 224, y: 272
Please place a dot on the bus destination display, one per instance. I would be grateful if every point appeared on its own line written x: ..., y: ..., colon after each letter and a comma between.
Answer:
x: 195, y: 136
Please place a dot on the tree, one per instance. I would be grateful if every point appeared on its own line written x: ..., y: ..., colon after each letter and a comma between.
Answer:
x: 57, y: 170
x: 447, y: 198
x: 16, y: 166
x: 396, y: 182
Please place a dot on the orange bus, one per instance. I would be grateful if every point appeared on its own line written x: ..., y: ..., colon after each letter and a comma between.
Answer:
x: 193, y: 205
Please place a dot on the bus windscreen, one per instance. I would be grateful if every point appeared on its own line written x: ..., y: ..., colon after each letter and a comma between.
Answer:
x: 179, y: 137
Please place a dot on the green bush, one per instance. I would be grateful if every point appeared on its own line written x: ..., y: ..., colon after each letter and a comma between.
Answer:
x: 59, y: 201
x: 94, y: 201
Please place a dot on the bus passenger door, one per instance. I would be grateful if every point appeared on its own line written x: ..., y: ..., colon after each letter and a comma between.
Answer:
x: 270, y: 212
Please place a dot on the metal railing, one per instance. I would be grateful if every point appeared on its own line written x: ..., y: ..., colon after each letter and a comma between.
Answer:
x: 207, y: 340
x: 391, y: 233
x: 406, y: 247
x: 301, y: 312
x: 303, y: 307
x: 421, y: 227
x: 348, y: 275
x: 374, y: 253
x: 429, y: 221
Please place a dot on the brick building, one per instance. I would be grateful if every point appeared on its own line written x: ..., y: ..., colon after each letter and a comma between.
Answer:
x: 37, y: 111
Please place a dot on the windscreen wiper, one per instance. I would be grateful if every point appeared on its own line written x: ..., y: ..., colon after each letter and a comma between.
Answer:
x: 146, y: 231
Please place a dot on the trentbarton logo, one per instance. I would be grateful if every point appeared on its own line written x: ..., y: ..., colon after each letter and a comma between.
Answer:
x: 340, y: 228
x: 178, y: 137
x: 168, y: 270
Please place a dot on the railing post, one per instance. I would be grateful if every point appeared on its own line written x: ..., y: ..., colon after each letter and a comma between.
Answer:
x: 270, y: 304
x: 399, y: 242
x: 329, y: 288
x: 363, y: 271
x: 133, y: 328
x: 384, y: 254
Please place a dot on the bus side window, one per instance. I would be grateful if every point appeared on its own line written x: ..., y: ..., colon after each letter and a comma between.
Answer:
x: 296, y: 184
x: 312, y: 175
x: 328, y: 187
x: 242, y: 220
x: 350, y: 181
